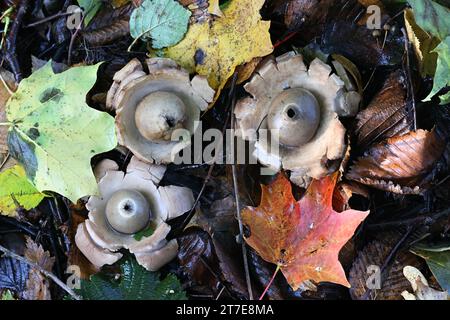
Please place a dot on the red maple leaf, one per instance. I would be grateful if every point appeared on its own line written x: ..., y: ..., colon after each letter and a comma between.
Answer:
x: 303, y: 238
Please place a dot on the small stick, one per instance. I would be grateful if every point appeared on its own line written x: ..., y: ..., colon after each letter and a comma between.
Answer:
x: 50, y: 275
x: 47, y: 19
x: 238, y: 207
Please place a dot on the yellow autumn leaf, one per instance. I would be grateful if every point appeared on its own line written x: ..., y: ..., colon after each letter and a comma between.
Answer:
x: 216, y: 48
x: 15, y: 190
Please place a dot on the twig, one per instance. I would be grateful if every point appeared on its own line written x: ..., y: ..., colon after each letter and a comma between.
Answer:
x: 6, y: 85
x: 4, y: 161
x: 47, y: 19
x: 48, y: 274
x: 238, y: 207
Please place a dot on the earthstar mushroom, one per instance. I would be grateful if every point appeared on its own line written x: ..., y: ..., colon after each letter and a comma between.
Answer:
x: 300, y: 106
x: 151, y: 107
x: 129, y: 203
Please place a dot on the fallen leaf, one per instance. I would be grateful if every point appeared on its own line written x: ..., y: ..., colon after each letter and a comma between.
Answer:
x: 386, y: 115
x: 54, y: 134
x: 91, y: 7
x: 441, y: 78
x: 423, y: 44
x: 400, y: 164
x: 365, y: 273
x: 163, y: 22
x: 432, y: 17
x: 435, y: 19
x: 37, y: 287
x: 199, y: 263
x: 303, y: 238
x: 438, y: 260
x: 215, y: 49
x: 17, y: 189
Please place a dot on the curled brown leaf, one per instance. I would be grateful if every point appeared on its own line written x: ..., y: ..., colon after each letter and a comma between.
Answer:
x: 400, y: 164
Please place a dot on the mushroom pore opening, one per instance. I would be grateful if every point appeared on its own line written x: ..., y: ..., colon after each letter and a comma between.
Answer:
x: 159, y: 114
x: 128, y: 211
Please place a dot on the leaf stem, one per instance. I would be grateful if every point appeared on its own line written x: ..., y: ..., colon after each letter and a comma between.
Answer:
x: 6, y: 124
x: 270, y: 282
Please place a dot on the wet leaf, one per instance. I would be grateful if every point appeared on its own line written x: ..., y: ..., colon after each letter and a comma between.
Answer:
x: 365, y: 274
x: 438, y: 260
x: 215, y: 49
x: 17, y: 189
x: 423, y: 44
x: 199, y: 262
x: 400, y: 164
x: 55, y: 134
x: 163, y: 22
x: 386, y: 115
x: 304, y: 238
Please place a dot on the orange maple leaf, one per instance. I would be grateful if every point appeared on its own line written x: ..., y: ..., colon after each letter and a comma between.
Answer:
x: 303, y: 238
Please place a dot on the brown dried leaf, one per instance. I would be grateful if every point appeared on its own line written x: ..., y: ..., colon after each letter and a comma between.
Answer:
x: 400, y: 164
x: 76, y: 258
x: 199, y: 263
x: 387, y: 115
x: 37, y: 287
x: 375, y: 254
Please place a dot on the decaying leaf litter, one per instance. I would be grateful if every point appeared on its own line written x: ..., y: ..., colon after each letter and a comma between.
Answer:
x: 93, y: 204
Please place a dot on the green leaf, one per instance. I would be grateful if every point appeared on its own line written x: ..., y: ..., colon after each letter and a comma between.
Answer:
x: 91, y: 7
x: 441, y: 77
x: 147, y: 232
x: 432, y: 17
x: 55, y: 133
x: 438, y: 260
x: 7, y: 295
x: 164, y: 22
x: 15, y: 186
x: 135, y: 283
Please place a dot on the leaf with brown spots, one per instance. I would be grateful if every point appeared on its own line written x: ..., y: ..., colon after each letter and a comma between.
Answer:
x: 302, y: 237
